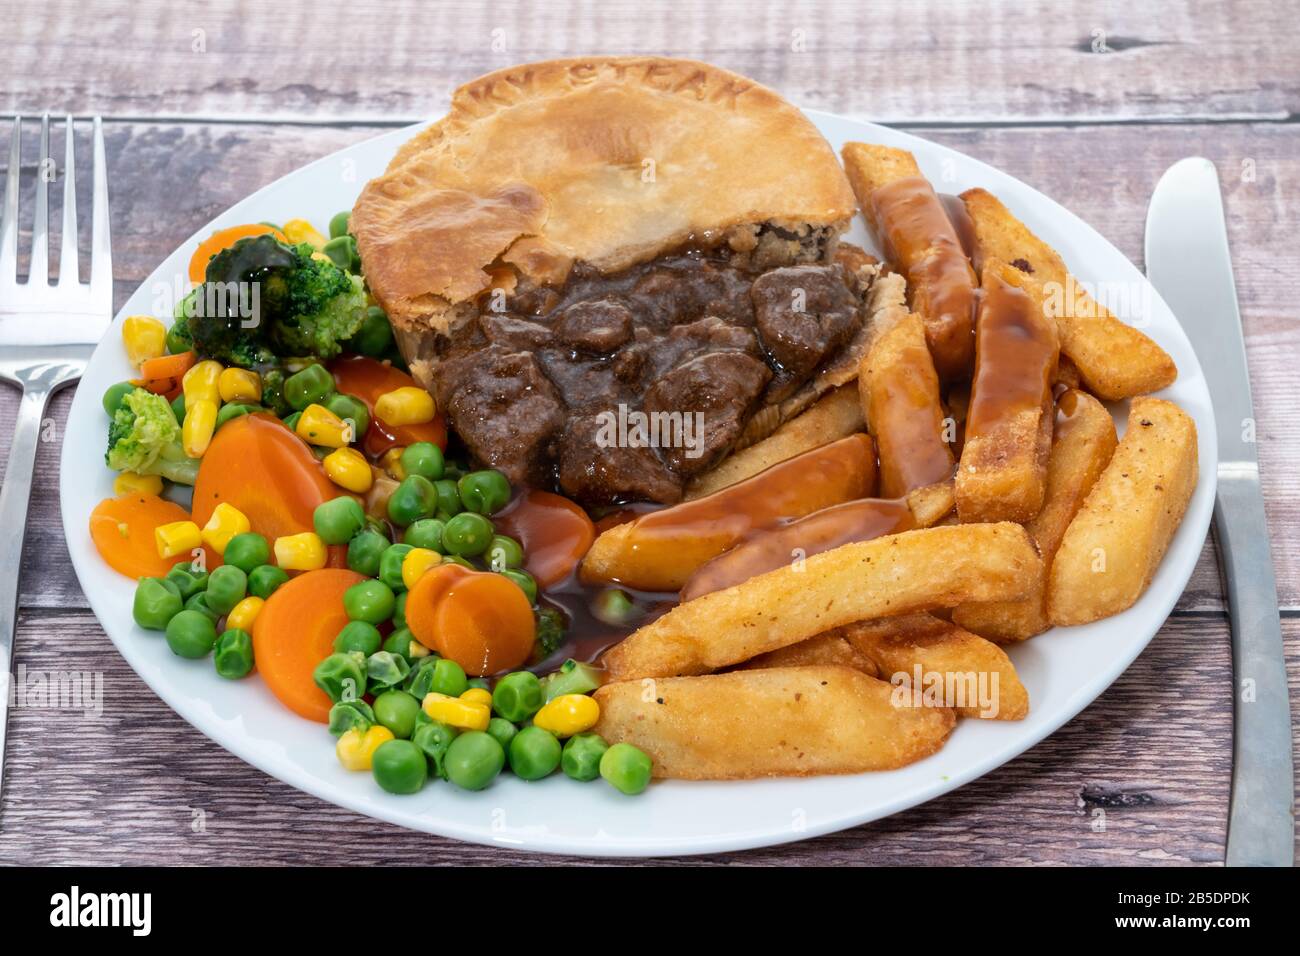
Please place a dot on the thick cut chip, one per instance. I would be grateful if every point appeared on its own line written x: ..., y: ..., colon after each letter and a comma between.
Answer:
x: 776, y: 722
x: 930, y: 656
x: 1113, y: 546
x: 1002, y: 475
x: 913, y: 571
x: 1114, y: 360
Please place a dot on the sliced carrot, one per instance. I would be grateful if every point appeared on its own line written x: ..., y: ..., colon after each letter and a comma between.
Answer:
x: 167, y: 366
x: 224, y: 239
x: 295, y: 631
x: 554, y: 532
x: 122, y: 529
x: 422, y: 599
x: 367, y: 379
x: 260, y: 467
x: 480, y: 620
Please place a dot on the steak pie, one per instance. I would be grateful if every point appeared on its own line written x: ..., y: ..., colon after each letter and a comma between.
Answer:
x: 613, y: 272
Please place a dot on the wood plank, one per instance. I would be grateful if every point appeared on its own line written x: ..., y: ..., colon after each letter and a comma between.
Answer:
x: 1106, y: 178
x: 1150, y: 760
x: 397, y: 60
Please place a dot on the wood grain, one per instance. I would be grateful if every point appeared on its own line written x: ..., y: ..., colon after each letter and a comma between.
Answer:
x: 1149, y: 762
x: 921, y: 61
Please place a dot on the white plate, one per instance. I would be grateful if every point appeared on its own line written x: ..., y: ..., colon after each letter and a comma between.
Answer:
x: 1064, y: 671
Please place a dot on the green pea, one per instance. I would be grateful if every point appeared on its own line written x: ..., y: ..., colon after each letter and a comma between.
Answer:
x: 339, y: 224
x: 413, y: 499
x: 350, y: 409
x: 369, y: 601
x: 571, y: 678
x: 311, y: 386
x: 434, y: 738
x: 390, y: 565
x: 113, y: 396
x: 188, y: 581
x: 375, y: 337
x: 264, y: 579
x: 534, y: 753
x: 350, y: 715
x: 234, y: 410
x: 526, y: 582
x: 425, y: 533
x: 199, y: 602
x: 227, y: 586
x: 419, y: 683
x: 504, y: 552
x: 399, y: 610
x: 518, y: 696
x: 467, y: 534
x: 386, y: 669
x: 448, y: 678
x: 502, y: 731
x: 399, y: 643
x: 191, y: 634
x: 482, y: 683
x: 484, y: 492
x: 156, y: 602
x: 247, y: 551
x: 178, y: 408
x: 234, y: 654
x: 581, y: 757
x: 423, y: 458
x: 342, y: 250
x: 358, y: 636
x: 364, y: 551
x: 291, y: 421
x: 473, y: 760
x: 457, y: 559
x: 399, y: 766
x: 342, y: 676
x: 626, y: 767
x: 396, y: 710
x: 338, y: 519
x: 446, y: 498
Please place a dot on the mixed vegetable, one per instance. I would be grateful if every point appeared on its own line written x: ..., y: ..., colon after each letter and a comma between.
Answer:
x: 373, y: 582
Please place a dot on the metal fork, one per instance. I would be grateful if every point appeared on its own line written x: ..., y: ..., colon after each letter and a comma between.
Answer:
x: 47, y: 333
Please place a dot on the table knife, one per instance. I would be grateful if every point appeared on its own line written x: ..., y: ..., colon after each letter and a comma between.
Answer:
x: 1187, y: 261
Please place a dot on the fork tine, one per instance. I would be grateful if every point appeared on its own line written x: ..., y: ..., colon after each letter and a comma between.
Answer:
x: 9, y: 224
x: 101, y: 255
x: 68, y: 274
x: 38, y: 273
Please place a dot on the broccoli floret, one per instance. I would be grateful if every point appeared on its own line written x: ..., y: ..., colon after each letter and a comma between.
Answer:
x: 325, y: 307
x: 550, y: 632
x: 145, y: 438
x: 303, y: 306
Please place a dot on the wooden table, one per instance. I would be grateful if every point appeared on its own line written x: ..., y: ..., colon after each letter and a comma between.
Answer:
x: 1088, y: 102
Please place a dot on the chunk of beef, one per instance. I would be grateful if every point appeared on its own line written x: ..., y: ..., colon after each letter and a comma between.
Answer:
x: 599, y: 326
x: 598, y: 465
x: 505, y: 410
x: 803, y: 314
x: 707, y: 401
x: 503, y: 328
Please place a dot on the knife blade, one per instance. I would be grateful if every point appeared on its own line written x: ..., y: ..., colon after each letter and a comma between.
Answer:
x: 1188, y: 262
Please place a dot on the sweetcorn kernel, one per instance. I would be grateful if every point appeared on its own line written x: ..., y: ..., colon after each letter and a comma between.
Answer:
x: 176, y: 538
x: 243, y: 614
x: 300, y: 552
x: 226, y: 522
x: 239, y: 385
x: 348, y: 468
x: 416, y: 562
x: 128, y: 482
x: 144, y: 337
x: 459, y: 713
x: 408, y: 405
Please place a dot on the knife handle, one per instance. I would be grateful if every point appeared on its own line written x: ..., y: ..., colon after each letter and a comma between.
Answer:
x: 1261, y: 821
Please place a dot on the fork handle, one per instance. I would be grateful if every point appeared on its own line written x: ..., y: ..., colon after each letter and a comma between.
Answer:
x: 14, y: 495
